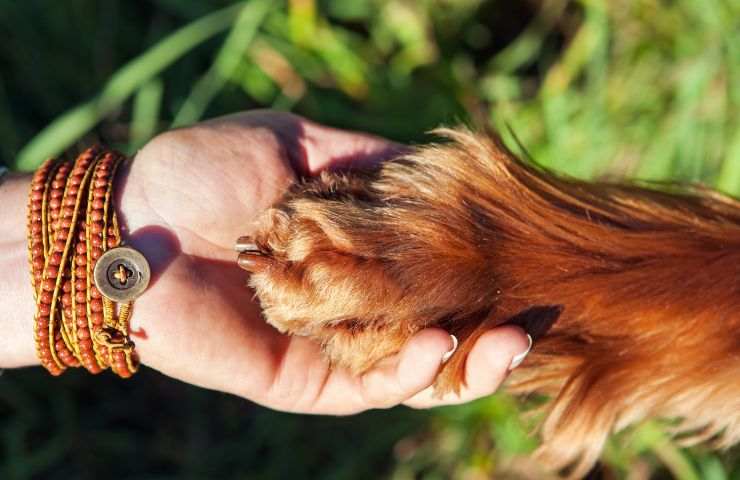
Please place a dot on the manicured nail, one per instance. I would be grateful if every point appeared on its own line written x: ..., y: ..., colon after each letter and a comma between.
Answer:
x: 449, y: 353
x: 518, y: 359
x: 252, y: 262
x: 245, y: 244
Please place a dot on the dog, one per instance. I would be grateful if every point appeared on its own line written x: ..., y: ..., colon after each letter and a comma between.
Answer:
x: 632, y: 294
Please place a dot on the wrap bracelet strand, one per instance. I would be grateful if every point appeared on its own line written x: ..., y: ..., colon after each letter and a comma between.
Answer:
x: 84, y: 279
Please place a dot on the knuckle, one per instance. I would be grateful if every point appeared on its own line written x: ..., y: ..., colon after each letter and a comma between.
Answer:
x: 378, y: 392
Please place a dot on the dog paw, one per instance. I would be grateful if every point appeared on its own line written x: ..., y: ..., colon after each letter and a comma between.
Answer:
x: 313, y: 280
x: 362, y: 261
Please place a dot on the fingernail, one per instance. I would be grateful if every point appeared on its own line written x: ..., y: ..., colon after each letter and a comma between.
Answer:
x: 518, y: 359
x: 252, y: 262
x: 449, y: 353
x: 245, y: 244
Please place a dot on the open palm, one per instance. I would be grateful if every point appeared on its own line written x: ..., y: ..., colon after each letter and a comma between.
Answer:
x: 186, y: 198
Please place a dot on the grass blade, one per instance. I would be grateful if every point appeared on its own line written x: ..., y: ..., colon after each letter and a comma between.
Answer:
x: 145, y: 116
x: 227, y: 61
x: 67, y: 128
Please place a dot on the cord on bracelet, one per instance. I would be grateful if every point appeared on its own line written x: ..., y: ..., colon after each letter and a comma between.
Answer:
x: 72, y: 226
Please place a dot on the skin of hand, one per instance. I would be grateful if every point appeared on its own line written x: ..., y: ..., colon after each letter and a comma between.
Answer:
x: 186, y: 198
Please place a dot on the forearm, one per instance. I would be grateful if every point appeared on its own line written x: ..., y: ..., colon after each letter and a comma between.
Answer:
x: 16, y: 295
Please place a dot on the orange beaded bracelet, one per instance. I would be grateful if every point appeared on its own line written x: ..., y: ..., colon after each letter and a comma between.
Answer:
x: 84, y: 280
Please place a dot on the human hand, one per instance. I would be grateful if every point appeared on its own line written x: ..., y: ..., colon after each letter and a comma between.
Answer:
x: 186, y: 198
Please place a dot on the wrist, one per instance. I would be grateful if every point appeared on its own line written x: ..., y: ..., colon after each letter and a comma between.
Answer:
x: 16, y: 295
x: 17, y: 306
x: 143, y: 229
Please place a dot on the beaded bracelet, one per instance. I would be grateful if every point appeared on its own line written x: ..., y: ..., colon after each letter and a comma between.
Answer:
x: 84, y: 280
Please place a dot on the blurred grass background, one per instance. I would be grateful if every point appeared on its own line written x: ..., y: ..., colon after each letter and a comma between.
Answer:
x: 645, y: 89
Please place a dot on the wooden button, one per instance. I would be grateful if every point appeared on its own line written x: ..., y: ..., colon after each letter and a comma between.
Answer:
x: 122, y: 274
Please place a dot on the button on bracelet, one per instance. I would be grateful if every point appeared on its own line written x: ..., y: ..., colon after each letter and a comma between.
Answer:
x: 122, y: 274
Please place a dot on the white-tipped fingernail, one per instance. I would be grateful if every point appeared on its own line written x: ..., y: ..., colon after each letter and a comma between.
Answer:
x: 449, y: 353
x: 518, y: 359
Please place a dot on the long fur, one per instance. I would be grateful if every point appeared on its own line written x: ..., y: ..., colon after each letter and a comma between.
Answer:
x: 633, y: 294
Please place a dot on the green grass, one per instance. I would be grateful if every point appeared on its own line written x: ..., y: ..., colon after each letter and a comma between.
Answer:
x: 644, y: 89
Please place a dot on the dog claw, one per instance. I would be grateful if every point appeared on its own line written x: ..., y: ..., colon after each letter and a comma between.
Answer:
x: 245, y: 244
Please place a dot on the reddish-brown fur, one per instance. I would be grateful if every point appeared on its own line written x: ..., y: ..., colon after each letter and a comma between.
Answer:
x: 643, y: 285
